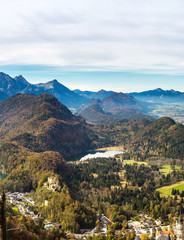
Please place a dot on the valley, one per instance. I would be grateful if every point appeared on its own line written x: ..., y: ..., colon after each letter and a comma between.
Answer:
x: 137, y: 166
x: 135, y: 218
x: 172, y: 110
x: 92, y: 120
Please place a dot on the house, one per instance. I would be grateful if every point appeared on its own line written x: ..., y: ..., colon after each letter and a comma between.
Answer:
x: 148, y: 223
x: 137, y: 238
x: 178, y: 229
x: 164, y: 235
x: 157, y: 222
x: 49, y: 226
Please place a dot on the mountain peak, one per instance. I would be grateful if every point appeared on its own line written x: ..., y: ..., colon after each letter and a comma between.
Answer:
x: 101, y: 91
x: 159, y: 89
x: 55, y: 81
x: 21, y: 79
x: 4, y: 76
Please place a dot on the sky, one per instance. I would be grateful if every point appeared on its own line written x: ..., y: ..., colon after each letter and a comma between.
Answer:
x: 121, y: 45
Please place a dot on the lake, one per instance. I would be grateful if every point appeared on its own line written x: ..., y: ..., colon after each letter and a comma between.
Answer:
x: 101, y: 154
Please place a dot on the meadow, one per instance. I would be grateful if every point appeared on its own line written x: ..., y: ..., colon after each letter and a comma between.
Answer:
x: 166, y: 190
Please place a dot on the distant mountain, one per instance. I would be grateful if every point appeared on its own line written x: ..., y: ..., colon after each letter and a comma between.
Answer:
x: 94, y: 114
x: 159, y: 96
x: 96, y: 95
x: 119, y: 100
x: 41, y: 123
x: 10, y: 86
x: 102, y: 94
x: 62, y: 93
x: 114, y: 108
x: 86, y: 94
x: 22, y: 80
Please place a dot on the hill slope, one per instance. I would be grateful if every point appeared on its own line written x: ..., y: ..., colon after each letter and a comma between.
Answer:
x: 145, y: 138
x: 94, y: 114
x: 41, y: 123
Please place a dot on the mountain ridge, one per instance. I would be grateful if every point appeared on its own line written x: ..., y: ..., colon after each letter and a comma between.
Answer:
x: 159, y: 95
x: 10, y: 86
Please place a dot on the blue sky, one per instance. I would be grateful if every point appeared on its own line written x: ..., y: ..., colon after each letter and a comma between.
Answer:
x: 122, y: 45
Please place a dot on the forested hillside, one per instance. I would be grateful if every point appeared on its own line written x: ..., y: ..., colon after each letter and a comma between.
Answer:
x: 162, y: 137
x: 41, y: 123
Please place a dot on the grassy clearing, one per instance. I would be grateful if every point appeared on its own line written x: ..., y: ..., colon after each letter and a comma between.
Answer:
x: 166, y: 191
x: 166, y: 169
x: 132, y: 161
x: 117, y: 148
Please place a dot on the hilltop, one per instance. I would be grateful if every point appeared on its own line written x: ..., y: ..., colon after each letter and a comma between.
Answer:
x: 94, y: 114
x: 41, y: 123
x: 144, y: 138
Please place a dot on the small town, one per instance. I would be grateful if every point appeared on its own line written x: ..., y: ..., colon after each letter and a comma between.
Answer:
x: 144, y: 225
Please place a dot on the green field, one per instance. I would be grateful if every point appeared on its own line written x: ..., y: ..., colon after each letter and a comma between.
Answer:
x: 166, y: 169
x: 166, y: 191
x: 131, y: 162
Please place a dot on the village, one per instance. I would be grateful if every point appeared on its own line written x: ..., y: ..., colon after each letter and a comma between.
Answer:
x: 23, y: 203
x: 144, y: 224
x: 147, y: 225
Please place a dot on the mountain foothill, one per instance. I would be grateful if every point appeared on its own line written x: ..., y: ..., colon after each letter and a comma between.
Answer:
x: 38, y: 133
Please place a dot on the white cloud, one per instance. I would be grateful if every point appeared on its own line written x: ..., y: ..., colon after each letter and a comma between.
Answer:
x: 145, y: 35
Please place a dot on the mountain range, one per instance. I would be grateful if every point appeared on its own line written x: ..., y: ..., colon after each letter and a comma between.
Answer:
x: 112, y: 106
x: 10, y: 86
x: 160, y: 96
x: 109, y: 106
x: 156, y: 96
x: 96, y: 95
